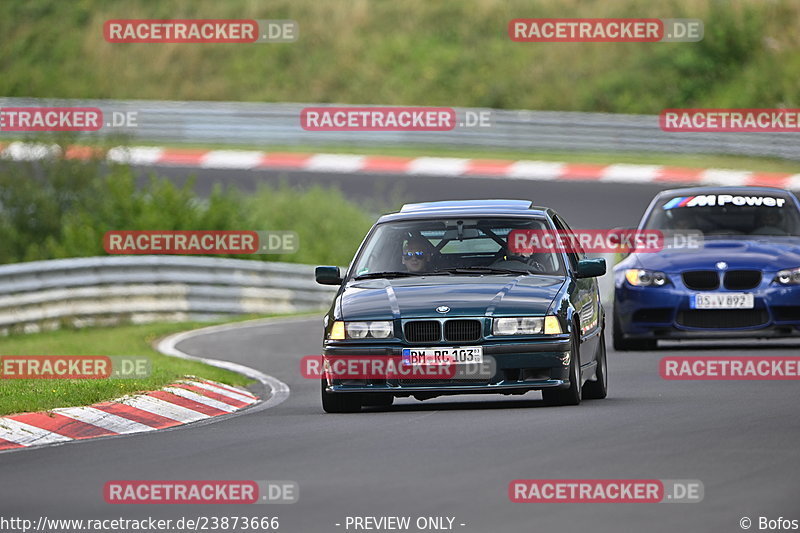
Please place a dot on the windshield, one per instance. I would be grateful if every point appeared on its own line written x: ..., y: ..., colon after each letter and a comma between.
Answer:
x: 726, y: 214
x: 477, y: 246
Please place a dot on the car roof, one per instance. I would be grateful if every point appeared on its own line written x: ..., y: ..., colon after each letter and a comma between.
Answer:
x: 724, y: 190
x: 466, y: 208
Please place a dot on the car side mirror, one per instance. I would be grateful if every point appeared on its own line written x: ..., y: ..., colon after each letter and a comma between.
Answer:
x: 590, y: 268
x: 328, y: 275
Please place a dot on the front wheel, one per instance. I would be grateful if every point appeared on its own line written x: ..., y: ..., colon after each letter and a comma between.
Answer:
x: 572, y: 395
x: 597, y: 390
x: 339, y: 403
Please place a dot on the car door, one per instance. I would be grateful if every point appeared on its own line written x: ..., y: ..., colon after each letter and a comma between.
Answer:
x: 586, y: 300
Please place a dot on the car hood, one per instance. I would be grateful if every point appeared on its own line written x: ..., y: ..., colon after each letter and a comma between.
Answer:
x: 464, y: 295
x: 763, y: 253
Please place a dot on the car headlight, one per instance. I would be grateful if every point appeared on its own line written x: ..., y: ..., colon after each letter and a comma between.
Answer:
x: 790, y: 276
x: 356, y: 330
x: 646, y: 278
x: 526, y: 325
x: 379, y: 329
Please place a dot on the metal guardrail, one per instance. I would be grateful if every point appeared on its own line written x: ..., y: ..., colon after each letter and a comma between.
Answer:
x: 276, y: 124
x: 97, y: 290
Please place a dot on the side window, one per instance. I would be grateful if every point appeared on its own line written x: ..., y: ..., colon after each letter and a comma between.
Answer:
x: 574, y: 257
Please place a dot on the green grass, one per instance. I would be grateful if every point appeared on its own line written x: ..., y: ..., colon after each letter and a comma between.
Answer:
x: 415, y: 52
x: 26, y: 395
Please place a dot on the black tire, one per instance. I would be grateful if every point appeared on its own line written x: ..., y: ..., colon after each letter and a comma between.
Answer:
x: 572, y: 395
x: 597, y: 390
x: 621, y: 344
x: 377, y: 399
x: 339, y: 403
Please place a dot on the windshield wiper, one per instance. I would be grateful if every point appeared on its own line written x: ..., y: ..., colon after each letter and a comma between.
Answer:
x: 441, y: 272
x: 373, y: 275
x: 389, y: 275
x: 482, y: 270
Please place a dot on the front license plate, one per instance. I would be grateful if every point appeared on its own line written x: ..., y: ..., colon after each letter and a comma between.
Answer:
x: 442, y: 356
x: 722, y: 300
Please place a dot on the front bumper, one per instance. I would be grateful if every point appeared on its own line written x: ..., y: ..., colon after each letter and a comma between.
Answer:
x: 665, y: 313
x: 519, y: 366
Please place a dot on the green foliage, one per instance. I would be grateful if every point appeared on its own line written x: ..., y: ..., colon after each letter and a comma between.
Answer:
x: 329, y: 227
x: 686, y: 74
x: 59, y: 208
x: 415, y: 52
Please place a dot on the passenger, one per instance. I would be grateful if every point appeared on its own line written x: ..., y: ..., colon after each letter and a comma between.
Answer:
x: 770, y: 222
x: 683, y: 222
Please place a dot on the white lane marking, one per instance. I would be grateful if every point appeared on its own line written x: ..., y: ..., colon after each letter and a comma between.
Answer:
x: 199, y: 398
x: 335, y: 163
x: 223, y: 391
x: 163, y: 408
x: 231, y: 159
x: 630, y: 173
x: 535, y: 170
x: 104, y: 420
x: 438, y: 166
x: 135, y: 155
x: 26, y: 434
x: 719, y: 176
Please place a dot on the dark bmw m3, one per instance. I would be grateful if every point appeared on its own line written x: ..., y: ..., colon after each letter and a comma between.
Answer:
x: 437, y: 285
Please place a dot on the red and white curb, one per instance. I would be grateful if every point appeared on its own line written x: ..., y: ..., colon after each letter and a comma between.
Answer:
x: 412, y: 166
x: 182, y: 402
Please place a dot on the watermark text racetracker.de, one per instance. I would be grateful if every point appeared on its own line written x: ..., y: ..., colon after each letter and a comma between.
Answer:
x: 730, y: 120
x: 177, y: 242
x: 200, y: 492
x: 74, y: 367
x: 598, y: 241
x: 64, y: 119
x: 347, y: 118
x: 200, y: 31
x: 606, y: 491
x: 605, y: 30
x: 732, y: 368
x: 434, y: 364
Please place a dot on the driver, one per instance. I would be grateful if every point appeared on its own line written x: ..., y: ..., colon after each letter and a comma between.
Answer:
x: 416, y: 254
x: 516, y: 258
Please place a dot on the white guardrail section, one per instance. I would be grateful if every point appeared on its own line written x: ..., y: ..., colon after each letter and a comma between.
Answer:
x: 137, y: 289
x: 276, y: 124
